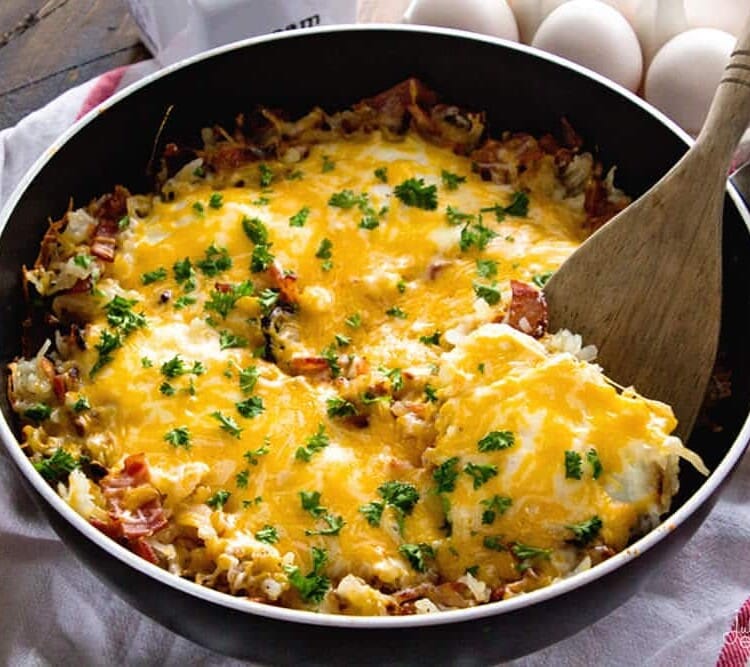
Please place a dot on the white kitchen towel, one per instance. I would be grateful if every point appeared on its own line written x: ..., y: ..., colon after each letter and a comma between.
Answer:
x: 53, y: 611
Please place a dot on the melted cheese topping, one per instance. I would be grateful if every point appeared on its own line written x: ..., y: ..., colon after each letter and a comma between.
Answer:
x: 405, y: 279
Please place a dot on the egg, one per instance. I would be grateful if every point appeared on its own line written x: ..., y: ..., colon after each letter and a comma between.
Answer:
x: 685, y: 72
x: 593, y: 34
x: 490, y: 17
x: 530, y: 13
x: 656, y: 22
x: 727, y: 15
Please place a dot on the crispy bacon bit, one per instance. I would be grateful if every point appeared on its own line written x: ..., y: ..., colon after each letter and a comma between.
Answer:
x: 80, y: 286
x: 599, y: 208
x: 227, y: 157
x: 309, y: 366
x: 394, y: 104
x: 285, y: 282
x: 105, y: 240
x: 223, y: 287
x: 144, y: 550
x: 451, y: 595
x: 528, y: 309
x: 59, y: 386
x: 127, y: 522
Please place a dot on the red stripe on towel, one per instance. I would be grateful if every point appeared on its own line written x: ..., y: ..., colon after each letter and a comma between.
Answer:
x: 104, y: 88
x: 736, y: 649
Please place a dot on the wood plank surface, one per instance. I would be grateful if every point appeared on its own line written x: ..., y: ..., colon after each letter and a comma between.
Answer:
x: 47, y: 46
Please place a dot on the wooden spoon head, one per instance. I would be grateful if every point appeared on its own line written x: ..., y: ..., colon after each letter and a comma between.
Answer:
x: 646, y: 290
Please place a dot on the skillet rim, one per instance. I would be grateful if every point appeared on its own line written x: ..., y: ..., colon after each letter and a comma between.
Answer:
x: 558, y: 589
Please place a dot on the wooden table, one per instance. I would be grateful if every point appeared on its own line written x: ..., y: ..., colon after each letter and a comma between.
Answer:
x: 47, y: 46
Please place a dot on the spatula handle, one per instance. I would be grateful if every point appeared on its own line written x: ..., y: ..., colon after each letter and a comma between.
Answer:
x: 729, y: 115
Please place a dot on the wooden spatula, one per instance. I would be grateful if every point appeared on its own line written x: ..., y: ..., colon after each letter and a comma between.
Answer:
x: 646, y: 288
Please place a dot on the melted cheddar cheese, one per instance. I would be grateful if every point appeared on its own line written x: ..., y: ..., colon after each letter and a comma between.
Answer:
x: 272, y: 433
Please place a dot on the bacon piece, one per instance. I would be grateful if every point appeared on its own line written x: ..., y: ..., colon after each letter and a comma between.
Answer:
x: 59, y: 386
x: 144, y: 550
x: 599, y: 208
x: 227, y: 157
x: 132, y: 523
x: 528, y: 309
x: 285, y: 282
x: 393, y: 106
x: 81, y: 286
x: 309, y: 366
x: 105, y: 240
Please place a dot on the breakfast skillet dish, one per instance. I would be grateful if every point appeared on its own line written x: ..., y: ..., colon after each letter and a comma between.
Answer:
x: 313, y: 369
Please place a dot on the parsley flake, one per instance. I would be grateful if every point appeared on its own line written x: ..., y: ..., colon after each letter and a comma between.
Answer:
x: 486, y: 268
x: 178, y: 437
x: 216, y: 200
x: 153, y: 276
x: 57, y: 467
x: 218, y: 499
x: 493, y: 507
x: 451, y: 181
x: 541, y: 279
x: 373, y: 512
x: 446, y: 475
x: 480, y: 474
x: 417, y: 555
x: 267, y: 534
x: 415, y: 192
x: 586, y: 531
x: 227, y: 424
x: 250, y: 407
x: 573, y: 464
x: 592, y: 457
x: 496, y: 440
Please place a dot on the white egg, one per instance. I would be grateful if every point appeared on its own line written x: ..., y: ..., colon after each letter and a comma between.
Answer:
x: 490, y: 17
x: 685, y: 72
x: 595, y: 35
x: 530, y: 13
x: 627, y: 8
x: 656, y: 22
x: 727, y: 15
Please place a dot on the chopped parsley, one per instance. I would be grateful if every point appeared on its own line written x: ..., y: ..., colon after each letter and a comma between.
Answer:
x: 310, y: 501
x: 252, y: 456
x: 265, y: 175
x: 174, y: 367
x: 480, y: 474
x: 451, y: 181
x: 313, y: 586
x: 346, y: 199
x: 120, y: 315
x: 184, y: 301
x: 241, y: 478
x: 267, y: 299
x: 324, y: 249
x: 354, y: 321
x: 261, y: 201
x: 84, y: 261
x: 167, y: 389
x: 228, y: 340
x: 108, y: 343
x: 146, y: 362
x: 224, y: 300
x: 486, y: 268
x: 123, y: 222
x: 248, y: 379
x: 38, y: 412
x: 446, y: 475
x: 81, y: 404
x: 373, y: 512
x: 596, y: 465
x: 300, y: 217
x: 585, y: 531
x: 490, y: 293
x: 493, y: 543
x: 178, y: 437
x: 218, y: 499
x: 216, y: 260
x: 455, y: 217
x: 541, y: 279
x: 227, y: 424
x: 396, y: 378
x: 524, y: 551
x: 261, y: 258
x: 267, y: 534
x: 496, y: 440
x: 328, y: 165
x: 417, y: 555
x: 216, y: 200
x: 199, y: 208
x: 573, y: 464
x: 332, y: 358
x: 340, y: 407
x: 369, y: 221
x: 475, y: 235
x: 335, y: 524
x: 518, y: 207
x: 430, y: 393
x: 184, y: 274
x: 57, y: 467
x: 415, y: 192
x: 432, y: 339
x: 395, y: 311
x: 400, y: 495
x: 250, y: 407
x: 342, y: 340
x: 153, y: 276
x: 315, y: 443
x: 493, y: 507
x: 381, y: 173
x: 255, y: 230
